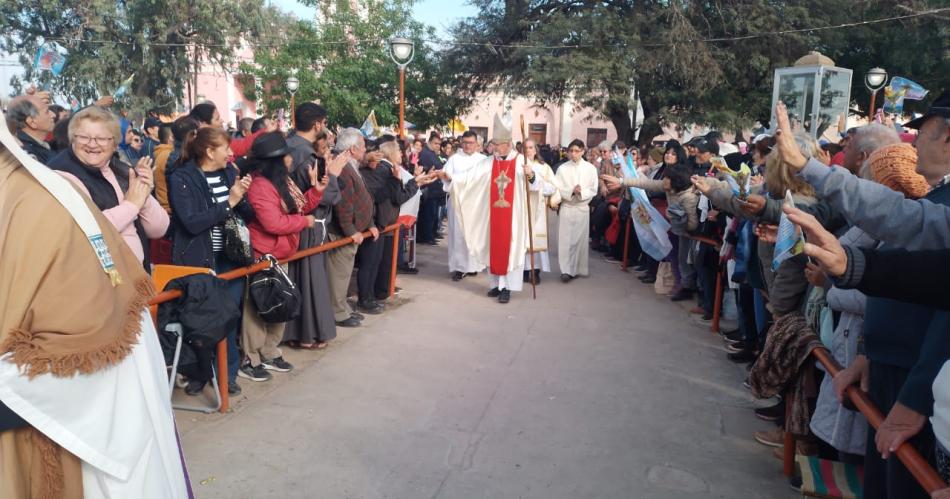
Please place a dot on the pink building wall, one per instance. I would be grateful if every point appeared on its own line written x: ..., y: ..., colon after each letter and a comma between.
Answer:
x: 218, y: 85
x: 563, y: 123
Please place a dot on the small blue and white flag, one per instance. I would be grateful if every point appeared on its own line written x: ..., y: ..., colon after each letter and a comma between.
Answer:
x: 649, y: 224
x: 790, y: 241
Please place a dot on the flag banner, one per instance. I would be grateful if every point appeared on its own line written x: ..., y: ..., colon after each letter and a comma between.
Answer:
x: 901, y: 89
x: 49, y: 57
x: 123, y: 87
x: 370, y: 128
x: 650, y: 226
x: 790, y: 241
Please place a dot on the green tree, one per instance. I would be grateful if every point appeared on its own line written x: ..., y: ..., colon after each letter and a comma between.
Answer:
x: 708, y: 62
x: 344, y: 64
x: 109, y: 40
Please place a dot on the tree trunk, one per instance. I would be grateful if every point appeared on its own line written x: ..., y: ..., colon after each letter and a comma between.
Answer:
x: 651, y: 123
x: 620, y: 117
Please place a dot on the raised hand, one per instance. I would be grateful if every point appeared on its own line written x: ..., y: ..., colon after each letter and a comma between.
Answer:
x: 314, y: 175
x: 335, y: 165
x: 824, y: 156
x: 138, y: 191
x: 821, y: 245
x: 238, y: 190
x: 143, y: 169
x: 105, y: 101
x: 753, y: 205
x: 787, y: 147
x: 700, y: 184
x: 612, y: 183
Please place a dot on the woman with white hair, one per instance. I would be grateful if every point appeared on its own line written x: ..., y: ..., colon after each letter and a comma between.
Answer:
x: 121, y: 192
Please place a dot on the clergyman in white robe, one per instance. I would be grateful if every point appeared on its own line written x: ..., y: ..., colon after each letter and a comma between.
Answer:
x: 459, y: 258
x: 544, y: 193
x: 574, y: 218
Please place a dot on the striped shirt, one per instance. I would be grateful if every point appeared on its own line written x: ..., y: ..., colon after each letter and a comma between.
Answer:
x: 219, y: 194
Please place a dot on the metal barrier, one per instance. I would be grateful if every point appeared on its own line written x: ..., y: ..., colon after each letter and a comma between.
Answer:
x: 166, y: 296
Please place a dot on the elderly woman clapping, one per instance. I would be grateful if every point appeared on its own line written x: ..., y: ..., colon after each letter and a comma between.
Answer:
x: 122, y: 193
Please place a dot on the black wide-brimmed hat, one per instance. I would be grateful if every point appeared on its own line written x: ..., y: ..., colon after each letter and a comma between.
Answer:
x: 940, y: 107
x: 269, y: 145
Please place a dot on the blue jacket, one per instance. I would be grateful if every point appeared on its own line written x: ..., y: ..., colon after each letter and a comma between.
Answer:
x: 901, y: 334
x: 194, y: 214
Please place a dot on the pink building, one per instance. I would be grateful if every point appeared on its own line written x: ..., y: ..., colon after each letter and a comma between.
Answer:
x: 551, y: 124
x: 218, y: 85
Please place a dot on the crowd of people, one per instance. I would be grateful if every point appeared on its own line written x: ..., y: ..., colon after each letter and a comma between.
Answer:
x: 184, y: 192
x: 877, y: 197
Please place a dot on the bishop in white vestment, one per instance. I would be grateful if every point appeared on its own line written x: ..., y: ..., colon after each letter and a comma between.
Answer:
x: 491, y: 199
x: 578, y: 183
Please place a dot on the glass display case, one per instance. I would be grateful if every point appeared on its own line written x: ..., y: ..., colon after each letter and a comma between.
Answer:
x: 817, y: 95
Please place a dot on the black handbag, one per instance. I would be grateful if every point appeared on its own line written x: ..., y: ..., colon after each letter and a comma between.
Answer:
x: 237, y: 241
x: 275, y: 296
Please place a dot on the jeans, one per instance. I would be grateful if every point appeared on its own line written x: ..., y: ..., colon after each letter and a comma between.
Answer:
x: 236, y: 290
x: 428, y: 219
x: 745, y: 305
x: 762, y: 315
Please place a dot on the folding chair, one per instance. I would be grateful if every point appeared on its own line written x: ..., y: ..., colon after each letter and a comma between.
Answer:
x: 161, y: 276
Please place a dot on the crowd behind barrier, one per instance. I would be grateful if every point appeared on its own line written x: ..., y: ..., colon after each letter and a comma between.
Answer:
x: 860, y: 378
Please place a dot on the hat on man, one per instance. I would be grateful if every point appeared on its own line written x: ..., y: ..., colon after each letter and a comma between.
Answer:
x: 269, y: 145
x: 940, y: 107
x: 895, y: 166
x: 502, y: 129
x: 151, y: 122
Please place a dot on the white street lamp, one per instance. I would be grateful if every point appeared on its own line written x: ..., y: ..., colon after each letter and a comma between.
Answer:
x: 292, y: 85
x: 401, y: 50
x: 874, y: 80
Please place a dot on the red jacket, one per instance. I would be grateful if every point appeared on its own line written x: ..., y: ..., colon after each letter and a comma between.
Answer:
x: 274, y: 231
x: 241, y: 146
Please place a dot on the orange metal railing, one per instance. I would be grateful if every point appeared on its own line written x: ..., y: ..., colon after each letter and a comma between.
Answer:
x: 166, y: 296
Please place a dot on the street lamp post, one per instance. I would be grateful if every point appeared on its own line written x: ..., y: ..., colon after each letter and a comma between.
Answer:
x: 874, y: 80
x: 292, y: 85
x: 401, y: 50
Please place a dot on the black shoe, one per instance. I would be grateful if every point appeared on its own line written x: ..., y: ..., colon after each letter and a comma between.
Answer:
x: 648, y: 279
x: 254, y: 373
x: 537, y: 277
x: 234, y: 388
x: 351, y: 322
x: 566, y: 278
x: 742, y: 356
x: 773, y: 413
x: 682, y: 295
x: 194, y: 387
x: 457, y: 276
x: 729, y: 333
x: 429, y: 243
x: 358, y: 316
x: 504, y: 296
x: 739, y: 346
x: 707, y: 317
x: 279, y: 364
x: 733, y: 337
x: 372, y: 307
x: 640, y: 268
x: 472, y: 274
x: 527, y: 276
x: 407, y: 271
x: 494, y: 293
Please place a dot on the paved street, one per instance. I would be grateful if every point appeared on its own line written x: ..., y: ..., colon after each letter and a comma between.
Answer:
x: 598, y: 389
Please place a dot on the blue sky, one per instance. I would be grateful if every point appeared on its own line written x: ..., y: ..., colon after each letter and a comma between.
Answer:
x: 438, y: 13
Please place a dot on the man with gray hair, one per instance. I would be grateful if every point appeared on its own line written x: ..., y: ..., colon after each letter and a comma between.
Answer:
x: 863, y: 142
x: 31, y: 121
x: 352, y: 215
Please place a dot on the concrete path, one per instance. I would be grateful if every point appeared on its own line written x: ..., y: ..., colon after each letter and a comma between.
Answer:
x: 598, y: 389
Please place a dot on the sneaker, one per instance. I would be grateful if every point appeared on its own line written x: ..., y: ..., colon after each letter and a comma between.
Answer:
x: 640, y: 269
x: 774, y: 438
x: 349, y: 322
x: 795, y: 483
x: 372, y: 307
x: 493, y: 293
x: 254, y: 373
x: 234, y: 388
x: 407, y: 271
x: 771, y: 413
x: 504, y: 296
x: 682, y: 295
x: 739, y: 346
x: 194, y: 387
x: 745, y: 382
x: 279, y: 364
x: 742, y: 356
x: 733, y: 339
x: 610, y: 259
x: 358, y: 316
x: 648, y: 279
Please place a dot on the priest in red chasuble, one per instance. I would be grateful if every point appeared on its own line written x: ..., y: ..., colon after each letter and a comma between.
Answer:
x: 491, y: 202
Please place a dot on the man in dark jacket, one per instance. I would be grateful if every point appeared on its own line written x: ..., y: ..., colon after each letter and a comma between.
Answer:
x: 432, y: 195
x: 31, y: 121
